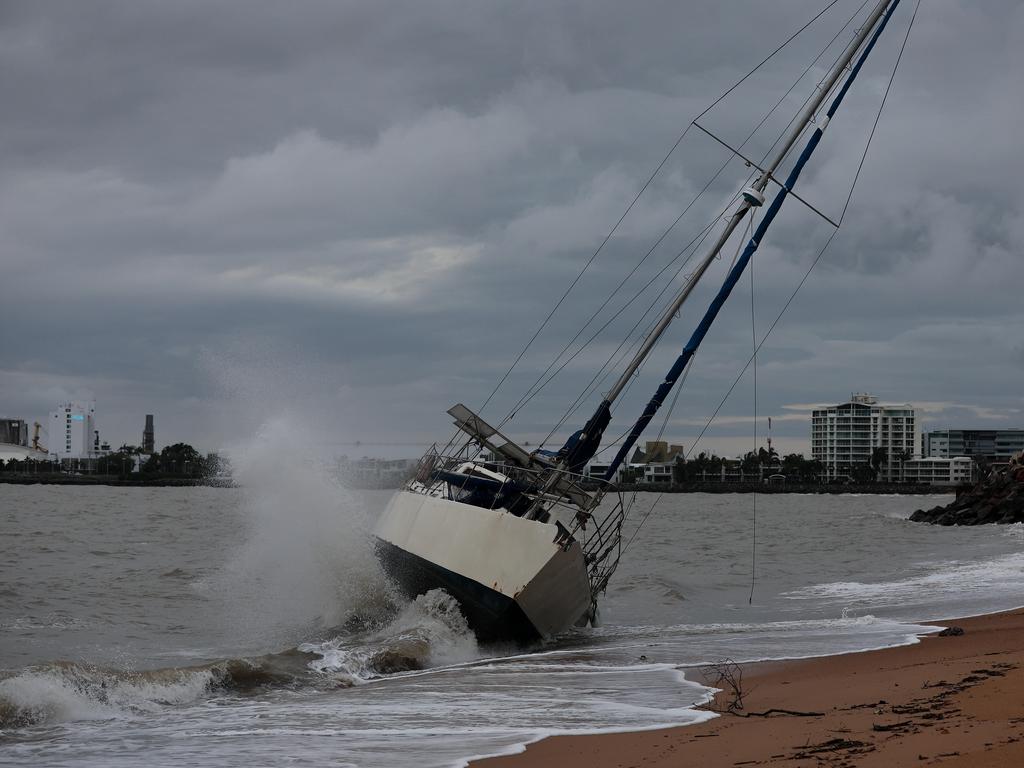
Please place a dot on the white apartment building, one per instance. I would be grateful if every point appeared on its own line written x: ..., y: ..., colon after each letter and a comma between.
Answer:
x: 845, y: 435
x: 939, y: 471
x: 71, y: 430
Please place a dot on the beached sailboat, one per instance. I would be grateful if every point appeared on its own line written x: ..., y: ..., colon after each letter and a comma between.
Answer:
x: 522, y: 539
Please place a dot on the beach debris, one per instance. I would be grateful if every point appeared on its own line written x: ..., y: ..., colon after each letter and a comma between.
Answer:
x: 951, y: 632
x: 892, y: 726
x: 727, y: 675
x: 777, y: 711
x: 832, y: 745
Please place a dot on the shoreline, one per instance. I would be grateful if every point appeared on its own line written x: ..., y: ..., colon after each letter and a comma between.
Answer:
x: 115, y: 480
x: 710, y: 488
x: 953, y: 700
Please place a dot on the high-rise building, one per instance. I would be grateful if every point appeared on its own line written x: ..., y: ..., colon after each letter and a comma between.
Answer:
x: 72, y: 431
x: 148, y: 436
x: 992, y: 444
x: 846, y: 435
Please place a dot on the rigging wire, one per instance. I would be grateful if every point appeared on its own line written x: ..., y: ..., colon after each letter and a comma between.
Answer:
x: 753, y: 514
x: 700, y: 239
x: 650, y: 179
x: 796, y: 114
x: 534, y: 389
x: 807, y: 274
x: 587, y: 390
x: 675, y: 397
x: 740, y: 82
x: 586, y: 266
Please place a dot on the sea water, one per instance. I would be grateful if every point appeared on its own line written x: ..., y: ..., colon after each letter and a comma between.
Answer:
x: 252, y: 625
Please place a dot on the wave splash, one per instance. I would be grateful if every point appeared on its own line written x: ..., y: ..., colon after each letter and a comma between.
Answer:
x: 427, y: 632
x: 306, y: 560
x: 430, y: 631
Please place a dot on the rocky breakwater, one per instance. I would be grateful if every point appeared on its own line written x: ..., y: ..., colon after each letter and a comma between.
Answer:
x: 997, y: 499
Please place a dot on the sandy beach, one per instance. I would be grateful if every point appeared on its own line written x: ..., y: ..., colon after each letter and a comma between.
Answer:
x: 953, y: 700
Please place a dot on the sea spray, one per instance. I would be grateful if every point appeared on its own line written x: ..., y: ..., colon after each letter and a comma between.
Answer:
x: 428, y: 631
x: 306, y: 561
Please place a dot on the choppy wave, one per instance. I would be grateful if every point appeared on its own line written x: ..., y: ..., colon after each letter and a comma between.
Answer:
x: 63, y: 691
x: 952, y: 578
x: 427, y: 632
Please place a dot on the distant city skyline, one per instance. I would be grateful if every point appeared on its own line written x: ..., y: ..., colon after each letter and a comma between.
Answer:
x: 731, y: 446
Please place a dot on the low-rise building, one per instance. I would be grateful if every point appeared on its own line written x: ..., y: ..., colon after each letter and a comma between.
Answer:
x: 934, y: 470
x: 657, y: 472
x: 596, y: 470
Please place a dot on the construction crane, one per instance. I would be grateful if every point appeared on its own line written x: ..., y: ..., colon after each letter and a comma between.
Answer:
x: 35, y: 438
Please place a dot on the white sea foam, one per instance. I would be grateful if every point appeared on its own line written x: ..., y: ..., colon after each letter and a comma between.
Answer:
x: 63, y: 693
x: 1015, y: 530
x: 952, y: 578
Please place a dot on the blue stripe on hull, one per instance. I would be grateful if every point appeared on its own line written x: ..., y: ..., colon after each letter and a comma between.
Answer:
x: 492, y: 616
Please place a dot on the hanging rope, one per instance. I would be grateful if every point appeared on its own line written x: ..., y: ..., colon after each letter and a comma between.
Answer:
x: 753, y: 514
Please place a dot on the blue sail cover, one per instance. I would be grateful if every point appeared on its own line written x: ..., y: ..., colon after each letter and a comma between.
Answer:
x: 583, y: 444
x: 741, y: 264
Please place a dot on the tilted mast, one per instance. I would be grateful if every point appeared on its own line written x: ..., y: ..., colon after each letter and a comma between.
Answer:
x: 582, y: 446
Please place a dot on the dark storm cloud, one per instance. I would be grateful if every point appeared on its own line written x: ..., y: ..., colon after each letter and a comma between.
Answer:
x: 214, y: 211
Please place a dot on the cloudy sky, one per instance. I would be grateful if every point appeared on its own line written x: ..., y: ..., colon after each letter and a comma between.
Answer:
x: 353, y: 215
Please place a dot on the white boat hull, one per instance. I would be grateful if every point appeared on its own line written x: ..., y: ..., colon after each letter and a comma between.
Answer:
x: 515, y: 579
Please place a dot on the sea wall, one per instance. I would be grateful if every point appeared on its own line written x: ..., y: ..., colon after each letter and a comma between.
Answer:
x: 998, y: 498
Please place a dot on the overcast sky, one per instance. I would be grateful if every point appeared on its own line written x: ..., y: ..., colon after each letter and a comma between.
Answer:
x: 349, y: 216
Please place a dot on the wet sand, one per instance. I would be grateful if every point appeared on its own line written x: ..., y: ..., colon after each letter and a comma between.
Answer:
x: 956, y: 700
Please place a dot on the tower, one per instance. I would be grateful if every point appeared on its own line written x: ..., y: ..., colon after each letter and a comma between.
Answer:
x: 148, y: 437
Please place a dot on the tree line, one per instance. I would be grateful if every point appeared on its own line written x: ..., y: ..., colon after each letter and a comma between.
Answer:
x: 795, y: 467
x: 178, y: 460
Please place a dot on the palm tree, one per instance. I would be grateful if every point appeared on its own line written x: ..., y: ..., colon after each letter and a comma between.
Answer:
x: 902, y: 455
x: 879, y: 458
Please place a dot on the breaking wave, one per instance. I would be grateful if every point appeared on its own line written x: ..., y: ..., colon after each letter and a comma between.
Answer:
x: 64, y: 691
x: 429, y: 631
